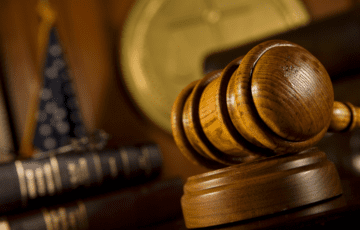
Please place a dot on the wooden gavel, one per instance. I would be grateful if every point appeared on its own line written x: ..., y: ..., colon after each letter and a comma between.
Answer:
x: 276, y: 99
x: 262, y: 113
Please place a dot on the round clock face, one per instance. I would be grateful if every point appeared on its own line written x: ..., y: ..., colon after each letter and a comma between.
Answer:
x: 165, y: 42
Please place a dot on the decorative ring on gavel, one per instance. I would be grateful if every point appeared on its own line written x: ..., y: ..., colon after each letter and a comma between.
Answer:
x: 277, y: 99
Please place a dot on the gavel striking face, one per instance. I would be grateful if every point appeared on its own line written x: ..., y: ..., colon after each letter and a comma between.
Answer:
x: 260, y: 116
x: 277, y: 99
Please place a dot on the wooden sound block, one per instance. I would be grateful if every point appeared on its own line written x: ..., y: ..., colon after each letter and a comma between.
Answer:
x: 259, y: 188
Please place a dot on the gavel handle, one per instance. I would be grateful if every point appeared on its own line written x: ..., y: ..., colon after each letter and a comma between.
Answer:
x: 345, y: 117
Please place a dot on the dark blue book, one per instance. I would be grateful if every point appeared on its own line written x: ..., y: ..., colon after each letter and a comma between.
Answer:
x: 33, y: 183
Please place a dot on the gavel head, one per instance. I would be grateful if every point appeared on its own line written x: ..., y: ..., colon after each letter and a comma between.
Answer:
x: 276, y: 99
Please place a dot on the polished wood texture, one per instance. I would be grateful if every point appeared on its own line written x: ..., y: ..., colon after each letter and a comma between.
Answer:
x: 262, y: 114
x: 259, y: 188
x: 345, y: 117
x: 278, y: 97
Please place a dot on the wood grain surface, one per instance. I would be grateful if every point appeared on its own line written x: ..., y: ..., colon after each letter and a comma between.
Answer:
x: 244, y: 112
x: 345, y: 117
x: 215, y: 120
x: 276, y: 99
x: 259, y: 188
x: 293, y: 94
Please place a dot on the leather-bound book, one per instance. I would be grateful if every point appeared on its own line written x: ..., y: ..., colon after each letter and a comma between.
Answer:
x: 37, y: 182
x: 125, y: 209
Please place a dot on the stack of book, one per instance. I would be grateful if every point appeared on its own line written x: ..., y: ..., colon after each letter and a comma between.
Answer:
x: 108, y: 189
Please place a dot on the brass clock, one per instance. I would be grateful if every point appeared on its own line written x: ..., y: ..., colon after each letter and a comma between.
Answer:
x: 165, y: 42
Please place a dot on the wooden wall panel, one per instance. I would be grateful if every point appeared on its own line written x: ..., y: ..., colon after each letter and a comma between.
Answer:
x: 18, y: 48
x: 89, y: 32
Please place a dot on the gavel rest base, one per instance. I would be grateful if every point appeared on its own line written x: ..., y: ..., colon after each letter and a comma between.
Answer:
x: 259, y: 188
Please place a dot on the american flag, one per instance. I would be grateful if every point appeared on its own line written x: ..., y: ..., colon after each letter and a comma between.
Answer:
x: 58, y: 118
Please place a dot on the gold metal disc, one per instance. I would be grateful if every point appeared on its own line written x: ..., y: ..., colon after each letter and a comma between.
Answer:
x: 164, y: 42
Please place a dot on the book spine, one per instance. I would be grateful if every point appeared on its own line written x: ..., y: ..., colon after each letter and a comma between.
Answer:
x: 33, y: 183
x: 133, y: 208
